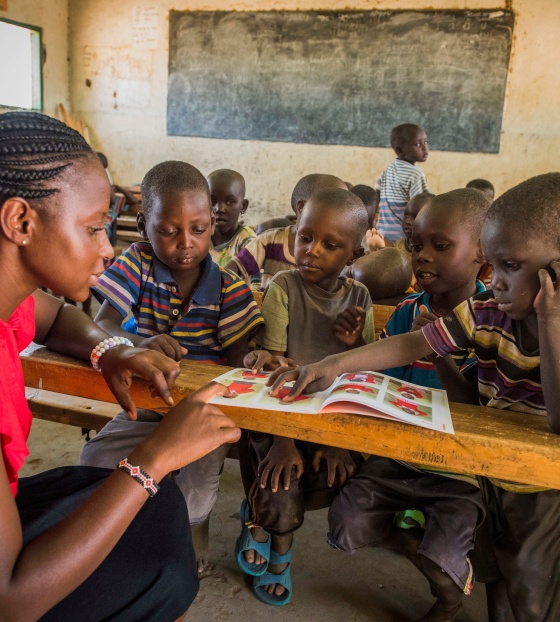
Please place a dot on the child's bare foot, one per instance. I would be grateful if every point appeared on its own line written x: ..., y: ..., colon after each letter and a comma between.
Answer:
x: 200, y: 538
x: 251, y: 556
x: 280, y: 544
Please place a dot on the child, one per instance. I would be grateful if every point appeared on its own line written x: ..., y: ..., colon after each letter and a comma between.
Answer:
x: 386, y: 274
x: 514, y: 330
x: 401, y: 180
x: 370, y: 200
x: 309, y: 312
x: 273, y: 251
x: 484, y: 186
x: 416, y: 203
x: 82, y: 542
x: 227, y: 195
x: 175, y: 300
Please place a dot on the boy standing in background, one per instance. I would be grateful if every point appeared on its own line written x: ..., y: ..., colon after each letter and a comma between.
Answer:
x: 401, y: 180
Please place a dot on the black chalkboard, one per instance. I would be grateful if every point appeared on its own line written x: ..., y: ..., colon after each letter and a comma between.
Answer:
x: 345, y: 78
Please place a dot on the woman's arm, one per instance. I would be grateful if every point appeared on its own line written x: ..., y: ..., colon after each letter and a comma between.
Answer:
x: 36, y: 577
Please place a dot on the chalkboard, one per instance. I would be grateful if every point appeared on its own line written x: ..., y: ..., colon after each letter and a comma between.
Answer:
x: 344, y: 78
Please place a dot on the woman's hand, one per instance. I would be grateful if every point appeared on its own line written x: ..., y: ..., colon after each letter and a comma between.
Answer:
x: 121, y: 363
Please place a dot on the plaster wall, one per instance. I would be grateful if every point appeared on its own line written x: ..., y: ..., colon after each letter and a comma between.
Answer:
x: 52, y: 17
x: 118, y: 87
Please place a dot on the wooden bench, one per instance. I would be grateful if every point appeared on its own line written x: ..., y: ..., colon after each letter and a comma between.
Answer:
x: 500, y: 444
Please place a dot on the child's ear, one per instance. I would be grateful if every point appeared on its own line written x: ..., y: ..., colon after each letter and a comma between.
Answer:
x: 17, y: 220
x: 479, y: 255
x: 141, y: 225
x: 245, y: 206
x: 358, y: 252
x: 212, y: 223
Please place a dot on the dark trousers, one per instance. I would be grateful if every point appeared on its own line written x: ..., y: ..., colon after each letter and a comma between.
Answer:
x: 151, y: 572
x: 363, y: 513
x: 282, y: 512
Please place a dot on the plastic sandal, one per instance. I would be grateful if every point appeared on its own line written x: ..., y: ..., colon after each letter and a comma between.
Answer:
x: 246, y: 542
x: 284, y: 579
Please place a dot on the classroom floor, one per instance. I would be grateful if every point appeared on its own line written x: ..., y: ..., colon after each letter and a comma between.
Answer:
x: 373, y: 586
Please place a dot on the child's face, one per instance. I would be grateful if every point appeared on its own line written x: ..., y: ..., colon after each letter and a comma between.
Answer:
x: 325, y: 243
x: 414, y: 148
x: 444, y: 255
x: 179, y: 228
x: 410, y: 212
x: 68, y: 255
x: 228, y: 202
x: 516, y: 259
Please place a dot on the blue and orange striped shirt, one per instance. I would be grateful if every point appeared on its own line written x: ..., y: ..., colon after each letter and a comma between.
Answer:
x: 221, y: 310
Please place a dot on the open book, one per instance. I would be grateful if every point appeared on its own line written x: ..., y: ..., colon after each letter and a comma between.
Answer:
x: 362, y: 393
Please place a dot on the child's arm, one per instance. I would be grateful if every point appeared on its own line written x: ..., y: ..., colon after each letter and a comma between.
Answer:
x: 547, y: 306
x: 391, y: 352
x: 348, y: 327
x: 64, y: 328
x: 109, y: 319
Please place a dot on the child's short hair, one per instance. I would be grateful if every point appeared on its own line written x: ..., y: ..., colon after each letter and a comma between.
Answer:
x: 349, y: 205
x: 310, y: 184
x: 386, y: 273
x: 533, y: 206
x: 272, y: 223
x: 480, y: 184
x: 471, y: 204
x: 230, y: 175
x: 402, y: 133
x: 171, y: 175
x: 368, y: 196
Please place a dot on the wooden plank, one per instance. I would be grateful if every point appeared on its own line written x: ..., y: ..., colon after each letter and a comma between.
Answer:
x: 499, y: 444
x: 381, y: 315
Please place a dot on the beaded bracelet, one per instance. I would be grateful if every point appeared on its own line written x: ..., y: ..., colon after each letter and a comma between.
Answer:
x: 140, y: 476
x: 105, y: 345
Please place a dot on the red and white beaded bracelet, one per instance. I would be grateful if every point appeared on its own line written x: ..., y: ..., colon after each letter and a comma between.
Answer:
x: 105, y: 345
x: 139, y: 475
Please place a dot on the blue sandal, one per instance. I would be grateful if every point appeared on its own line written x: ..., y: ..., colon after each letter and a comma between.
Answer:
x: 246, y: 542
x: 284, y: 579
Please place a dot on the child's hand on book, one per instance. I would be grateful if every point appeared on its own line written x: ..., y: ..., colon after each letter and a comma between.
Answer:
x: 349, y: 325
x: 340, y: 465
x: 165, y: 344
x: 258, y: 360
x: 308, y: 379
x: 278, y: 464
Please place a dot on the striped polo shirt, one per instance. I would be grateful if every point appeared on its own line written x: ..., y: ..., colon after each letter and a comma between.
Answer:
x: 508, y: 376
x: 268, y: 253
x: 221, y: 309
x: 422, y: 372
x: 397, y: 185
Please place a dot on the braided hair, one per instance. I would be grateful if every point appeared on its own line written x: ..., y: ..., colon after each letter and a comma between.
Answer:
x: 34, y: 150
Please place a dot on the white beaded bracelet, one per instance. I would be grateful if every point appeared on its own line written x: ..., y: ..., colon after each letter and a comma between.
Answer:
x: 105, y: 345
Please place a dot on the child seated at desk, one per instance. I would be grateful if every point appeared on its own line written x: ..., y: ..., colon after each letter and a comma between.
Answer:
x: 227, y: 195
x: 514, y: 329
x: 173, y: 298
x: 273, y: 250
x: 401, y: 180
x: 309, y: 312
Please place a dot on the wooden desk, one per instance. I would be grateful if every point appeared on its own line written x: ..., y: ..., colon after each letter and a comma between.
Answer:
x: 487, y: 442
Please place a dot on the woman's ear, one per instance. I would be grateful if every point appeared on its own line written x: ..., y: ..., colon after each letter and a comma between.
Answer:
x: 17, y: 220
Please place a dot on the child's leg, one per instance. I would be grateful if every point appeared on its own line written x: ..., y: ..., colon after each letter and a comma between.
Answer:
x: 526, y: 530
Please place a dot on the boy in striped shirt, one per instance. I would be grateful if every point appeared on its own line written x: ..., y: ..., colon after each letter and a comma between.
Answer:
x: 401, y: 180
x: 167, y: 294
x: 514, y: 329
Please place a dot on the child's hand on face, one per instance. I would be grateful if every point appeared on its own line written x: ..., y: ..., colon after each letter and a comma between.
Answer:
x: 340, y: 465
x: 349, y: 325
x: 547, y: 301
x: 374, y: 239
x: 258, y: 360
x: 164, y: 344
x: 278, y: 463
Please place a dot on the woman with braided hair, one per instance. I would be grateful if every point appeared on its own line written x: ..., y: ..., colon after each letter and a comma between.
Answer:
x: 81, y: 542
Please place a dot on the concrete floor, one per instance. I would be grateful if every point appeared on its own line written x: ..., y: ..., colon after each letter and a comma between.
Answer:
x: 374, y: 585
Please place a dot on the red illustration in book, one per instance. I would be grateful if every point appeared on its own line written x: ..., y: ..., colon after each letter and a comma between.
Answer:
x: 411, y: 393
x: 362, y: 378
x: 354, y: 388
x: 249, y: 374
x: 285, y: 390
x: 408, y: 408
x: 241, y: 387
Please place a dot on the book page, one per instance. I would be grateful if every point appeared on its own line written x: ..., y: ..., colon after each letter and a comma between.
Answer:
x: 374, y: 394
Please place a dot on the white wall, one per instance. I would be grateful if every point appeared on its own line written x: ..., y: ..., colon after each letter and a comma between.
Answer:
x: 125, y: 105
x: 52, y: 17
